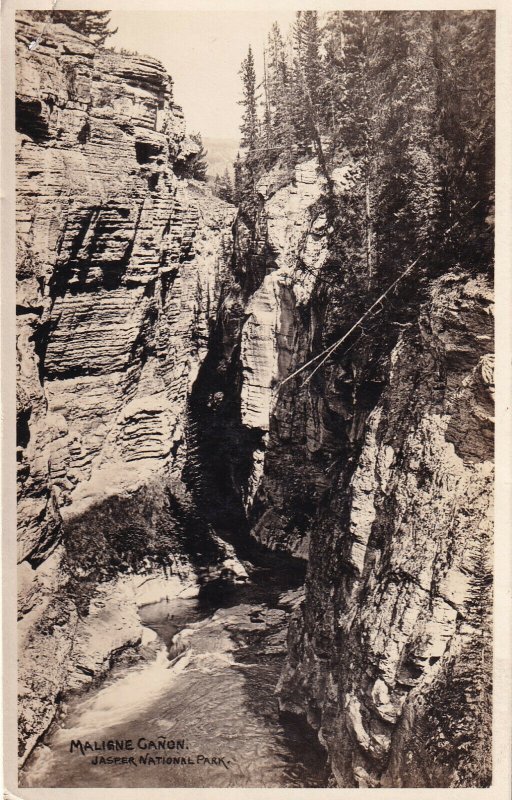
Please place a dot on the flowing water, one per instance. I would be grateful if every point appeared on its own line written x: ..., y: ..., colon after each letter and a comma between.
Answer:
x: 206, y: 696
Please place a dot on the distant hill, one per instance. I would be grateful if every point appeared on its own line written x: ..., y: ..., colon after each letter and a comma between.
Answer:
x: 221, y: 154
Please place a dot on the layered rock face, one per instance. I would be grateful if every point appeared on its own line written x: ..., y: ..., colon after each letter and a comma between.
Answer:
x: 390, y: 656
x: 119, y: 267
x: 379, y: 470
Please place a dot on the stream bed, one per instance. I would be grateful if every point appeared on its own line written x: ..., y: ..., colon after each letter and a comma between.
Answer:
x: 198, y: 711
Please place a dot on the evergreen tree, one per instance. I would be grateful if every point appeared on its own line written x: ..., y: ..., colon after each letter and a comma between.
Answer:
x: 464, y: 51
x: 238, y: 179
x: 354, y: 111
x: 306, y: 79
x: 406, y: 179
x: 299, y: 104
x: 94, y: 24
x: 279, y: 96
x: 269, y: 142
x: 197, y: 165
x: 333, y: 84
x: 216, y: 185
x: 386, y: 93
x: 250, y: 130
x: 312, y: 66
x: 249, y: 126
x: 224, y: 187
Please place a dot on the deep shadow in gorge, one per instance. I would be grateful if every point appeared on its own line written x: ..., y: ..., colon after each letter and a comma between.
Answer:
x: 219, y: 447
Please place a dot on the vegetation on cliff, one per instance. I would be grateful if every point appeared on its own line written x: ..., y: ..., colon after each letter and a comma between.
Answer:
x: 406, y: 99
x: 390, y: 116
x: 95, y: 24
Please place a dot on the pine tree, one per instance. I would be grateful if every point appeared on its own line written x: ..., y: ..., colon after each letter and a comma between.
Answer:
x: 94, y: 24
x: 197, y: 164
x: 406, y: 179
x: 224, y: 187
x: 298, y: 107
x: 269, y: 142
x: 387, y: 93
x: 279, y: 97
x: 249, y: 126
x: 333, y: 84
x: 251, y: 139
x: 312, y: 66
x: 353, y: 90
x: 216, y: 185
x: 238, y: 179
x: 307, y: 70
x: 464, y: 50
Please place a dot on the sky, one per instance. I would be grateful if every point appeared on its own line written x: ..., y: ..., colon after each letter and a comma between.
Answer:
x: 202, y: 51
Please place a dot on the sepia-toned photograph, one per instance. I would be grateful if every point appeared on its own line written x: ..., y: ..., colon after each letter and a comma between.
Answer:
x: 255, y: 398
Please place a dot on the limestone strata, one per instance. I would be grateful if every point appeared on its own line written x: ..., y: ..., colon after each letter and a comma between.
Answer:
x: 119, y: 267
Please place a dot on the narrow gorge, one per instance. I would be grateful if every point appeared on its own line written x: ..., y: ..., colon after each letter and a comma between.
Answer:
x: 292, y: 564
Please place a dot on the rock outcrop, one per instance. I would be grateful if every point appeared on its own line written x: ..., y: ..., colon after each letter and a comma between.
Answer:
x: 379, y: 470
x: 120, y: 263
x: 285, y: 246
x: 390, y: 655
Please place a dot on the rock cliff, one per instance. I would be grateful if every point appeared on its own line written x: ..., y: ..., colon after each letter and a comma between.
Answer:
x: 119, y: 268
x: 379, y: 471
x: 390, y: 655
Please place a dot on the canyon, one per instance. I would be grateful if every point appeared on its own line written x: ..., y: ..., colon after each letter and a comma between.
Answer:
x: 158, y: 441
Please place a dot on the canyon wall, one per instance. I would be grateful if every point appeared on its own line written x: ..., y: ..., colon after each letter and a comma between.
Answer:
x: 119, y: 268
x: 152, y: 354
x: 378, y: 469
x: 391, y: 654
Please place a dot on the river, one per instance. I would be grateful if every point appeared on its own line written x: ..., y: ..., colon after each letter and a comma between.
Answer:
x: 206, y: 689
